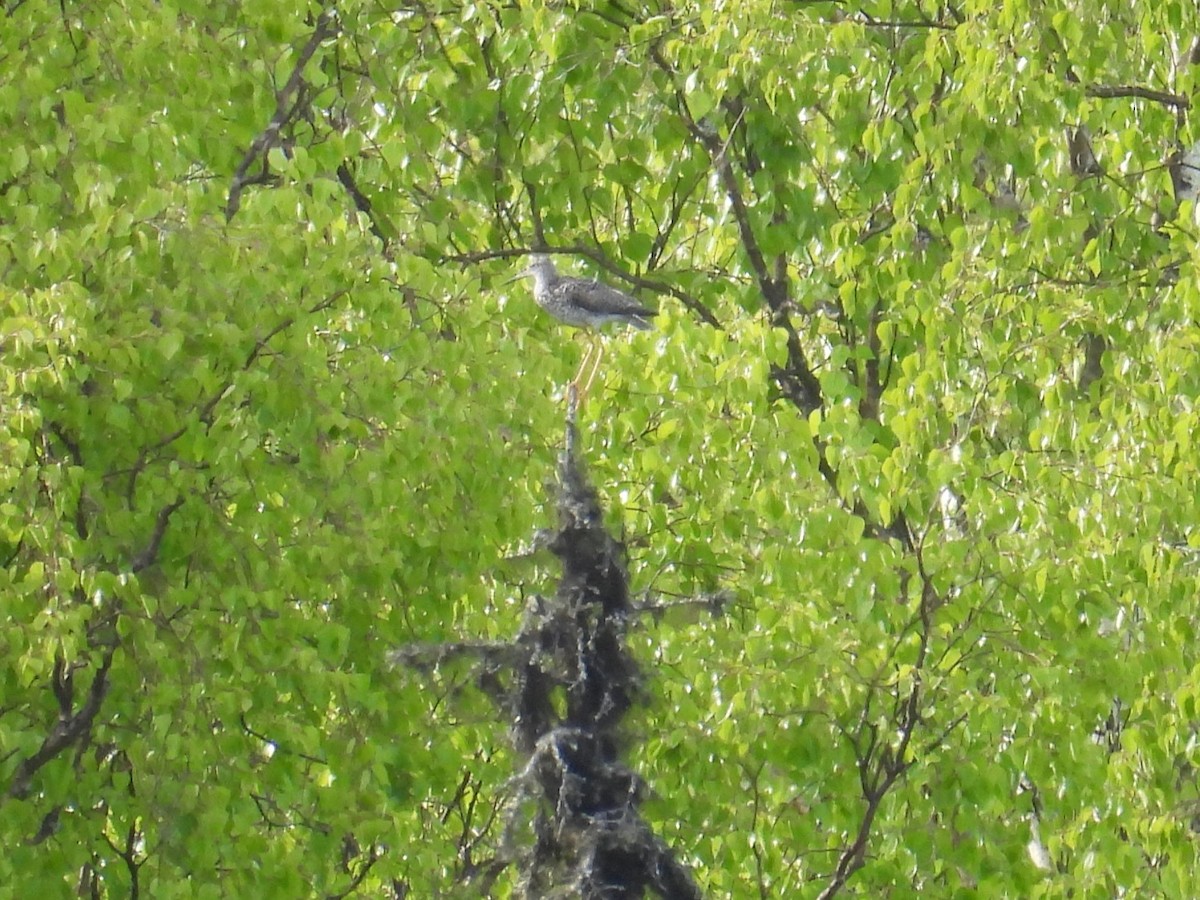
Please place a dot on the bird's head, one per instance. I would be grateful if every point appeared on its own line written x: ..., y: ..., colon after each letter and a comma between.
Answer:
x: 539, y: 263
x: 540, y: 267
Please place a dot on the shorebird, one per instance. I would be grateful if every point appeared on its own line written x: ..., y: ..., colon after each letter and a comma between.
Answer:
x: 583, y: 303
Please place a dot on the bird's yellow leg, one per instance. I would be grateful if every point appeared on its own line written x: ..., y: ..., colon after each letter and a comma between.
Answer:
x: 599, y: 354
x: 583, y: 364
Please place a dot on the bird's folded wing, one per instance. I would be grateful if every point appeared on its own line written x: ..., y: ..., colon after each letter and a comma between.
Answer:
x: 599, y: 298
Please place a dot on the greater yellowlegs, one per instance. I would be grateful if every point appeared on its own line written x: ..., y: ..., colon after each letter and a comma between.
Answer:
x: 583, y: 303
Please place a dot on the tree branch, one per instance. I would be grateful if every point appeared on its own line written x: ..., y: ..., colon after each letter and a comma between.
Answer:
x: 775, y: 293
x: 149, y: 554
x: 205, y: 416
x: 869, y: 22
x: 796, y: 381
x: 1108, y: 92
x: 69, y: 728
x: 363, y: 204
x: 284, y: 112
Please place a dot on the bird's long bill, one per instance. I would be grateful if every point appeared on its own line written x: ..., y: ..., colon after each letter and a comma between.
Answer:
x: 518, y: 276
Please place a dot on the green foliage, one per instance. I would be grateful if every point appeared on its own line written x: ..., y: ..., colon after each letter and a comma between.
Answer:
x: 922, y: 401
